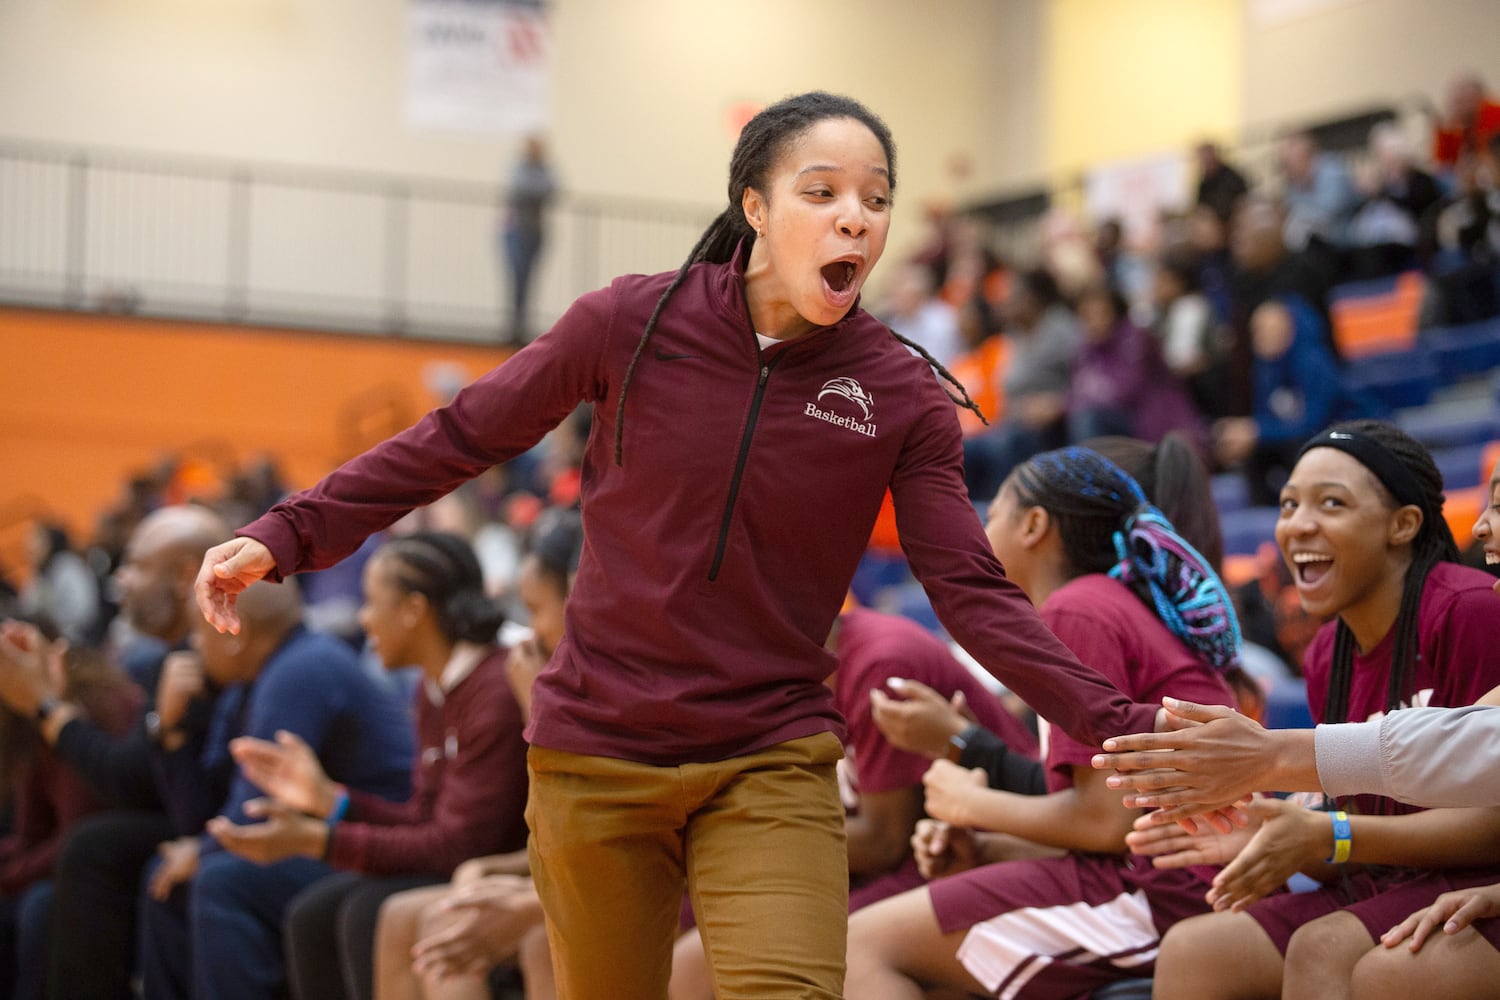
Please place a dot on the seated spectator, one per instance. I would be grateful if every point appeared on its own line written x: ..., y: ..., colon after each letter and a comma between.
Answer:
x: 1208, y: 239
x: 211, y: 921
x: 913, y: 310
x: 1264, y: 269
x: 968, y: 269
x: 424, y: 605
x: 1192, y: 338
x: 46, y: 797
x: 878, y: 656
x: 980, y: 365
x: 1466, y: 246
x: 1051, y: 905
x: 1120, y: 384
x: 1298, y: 389
x: 440, y: 943
x: 1384, y: 232
x: 62, y: 592
x: 98, y: 872
x: 1109, y: 245
x: 1043, y: 339
x: 1468, y: 124
x: 1318, y: 194
x: 1220, y: 186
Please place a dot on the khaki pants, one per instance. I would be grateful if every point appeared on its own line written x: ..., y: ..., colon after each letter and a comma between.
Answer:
x: 759, y: 840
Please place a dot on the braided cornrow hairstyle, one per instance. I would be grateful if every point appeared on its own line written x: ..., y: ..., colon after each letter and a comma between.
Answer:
x: 761, y: 144
x: 1433, y: 544
x: 442, y: 567
x: 1107, y: 524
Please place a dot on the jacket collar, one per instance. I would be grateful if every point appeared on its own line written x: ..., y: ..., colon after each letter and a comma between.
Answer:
x: 729, y: 289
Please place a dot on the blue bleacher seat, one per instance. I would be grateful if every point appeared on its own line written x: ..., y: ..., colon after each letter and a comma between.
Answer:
x: 908, y: 600
x: 1448, y: 425
x: 1373, y: 289
x: 1245, y: 530
x: 1463, y: 352
x: 1230, y: 492
x: 1286, y: 705
x: 1399, y: 379
x: 1460, y: 465
x: 876, y: 572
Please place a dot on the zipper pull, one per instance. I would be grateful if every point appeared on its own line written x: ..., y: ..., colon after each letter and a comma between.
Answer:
x: 765, y: 373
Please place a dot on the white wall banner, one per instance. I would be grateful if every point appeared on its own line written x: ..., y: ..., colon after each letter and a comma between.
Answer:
x: 478, y: 65
x: 1136, y: 191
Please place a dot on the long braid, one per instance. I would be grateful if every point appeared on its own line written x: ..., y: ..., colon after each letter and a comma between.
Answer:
x: 963, y: 398
x: 1433, y: 544
x: 709, y: 236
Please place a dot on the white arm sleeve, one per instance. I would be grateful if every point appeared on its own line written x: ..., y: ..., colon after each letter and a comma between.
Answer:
x: 1431, y: 757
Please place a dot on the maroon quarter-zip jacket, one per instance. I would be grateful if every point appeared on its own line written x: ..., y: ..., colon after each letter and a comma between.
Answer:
x: 717, y: 556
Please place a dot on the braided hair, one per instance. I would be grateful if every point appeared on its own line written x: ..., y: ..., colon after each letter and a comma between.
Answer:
x: 1433, y: 544
x: 442, y: 567
x: 1107, y: 524
x: 1173, y: 475
x: 760, y: 146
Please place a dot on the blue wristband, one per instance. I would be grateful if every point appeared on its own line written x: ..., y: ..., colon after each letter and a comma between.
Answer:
x: 1343, y: 841
x: 340, y: 808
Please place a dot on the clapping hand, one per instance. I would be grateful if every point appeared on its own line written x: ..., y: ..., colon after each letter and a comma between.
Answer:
x: 286, y: 770
x: 1290, y: 838
x: 283, y: 833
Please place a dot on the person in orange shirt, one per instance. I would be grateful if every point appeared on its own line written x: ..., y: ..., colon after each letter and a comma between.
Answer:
x: 1471, y: 121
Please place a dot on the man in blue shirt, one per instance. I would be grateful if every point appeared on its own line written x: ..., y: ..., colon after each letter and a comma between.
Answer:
x: 211, y: 921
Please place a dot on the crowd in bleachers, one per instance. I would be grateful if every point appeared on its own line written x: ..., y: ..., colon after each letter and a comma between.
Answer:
x: 1359, y: 284
x: 329, y: 801
x: 165, y: 783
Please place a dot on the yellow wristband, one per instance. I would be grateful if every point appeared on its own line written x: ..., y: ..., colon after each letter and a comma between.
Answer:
x: 1343, y: 842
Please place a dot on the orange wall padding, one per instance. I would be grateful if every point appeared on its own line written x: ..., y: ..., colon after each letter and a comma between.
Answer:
x: 87, y: 400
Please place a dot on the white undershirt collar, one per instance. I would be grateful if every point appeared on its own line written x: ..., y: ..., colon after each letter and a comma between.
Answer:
x: 461, y: 663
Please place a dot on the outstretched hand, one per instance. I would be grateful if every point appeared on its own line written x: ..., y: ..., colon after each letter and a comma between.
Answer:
x: 1204, y: 762
x: 1172, y: 846
x: 228, y: 568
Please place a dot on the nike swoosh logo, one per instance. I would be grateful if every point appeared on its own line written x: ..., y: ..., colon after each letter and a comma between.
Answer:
x: 662, y: 355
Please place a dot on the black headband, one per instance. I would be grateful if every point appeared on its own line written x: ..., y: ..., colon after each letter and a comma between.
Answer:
x: 1374, y: 456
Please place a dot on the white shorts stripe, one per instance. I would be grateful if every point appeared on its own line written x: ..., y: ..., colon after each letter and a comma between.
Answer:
x: 1011, y: 949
